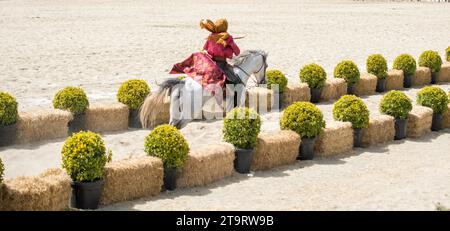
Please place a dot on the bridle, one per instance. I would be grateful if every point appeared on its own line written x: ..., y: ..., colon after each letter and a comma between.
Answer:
x: 263, y: 65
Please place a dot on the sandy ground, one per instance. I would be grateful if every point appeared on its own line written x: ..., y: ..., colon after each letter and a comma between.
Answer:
x: 47, y: 45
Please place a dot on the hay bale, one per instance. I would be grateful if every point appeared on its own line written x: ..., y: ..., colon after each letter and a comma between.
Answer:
x: 422, y: 76
x: 276, y: 149
x: 394, y: 80
x: 259, y: 99
x: 50, y: 191
x: 164, y: 116
x: 207, y: 165
x: 107, y: 117
x: 444, y: 73
x: 366, y: 85
x: 296, y: 92
x: 44, y: 124
x: 381, y: 129
x: 419, y: 121
x: 446, y: 119
x: 333, y: 89
x: 131, y: 179
x: 336, y: 138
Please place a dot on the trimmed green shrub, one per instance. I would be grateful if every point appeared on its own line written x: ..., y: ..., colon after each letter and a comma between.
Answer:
x: 167, y: 143
x: 396, y: 104
x: 276, y: 77
x: 350, y: 108
x: 447, y: 53
x: 430, y: 59
x: 181, y: 77
x: 84, y: 156
x: 406, y: 63
x: 314, y: 75
x: 347, y: 70
x: 304, y: 118
x: 376, y: 64
x: 2, y: 169
x: 434, y: 98
x: 133, y: 93
x: 71, y: 98
x: 241, y: 127
x: 8, y: 109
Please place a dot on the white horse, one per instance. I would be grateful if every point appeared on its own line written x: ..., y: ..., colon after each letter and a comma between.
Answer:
x: 187, y: 95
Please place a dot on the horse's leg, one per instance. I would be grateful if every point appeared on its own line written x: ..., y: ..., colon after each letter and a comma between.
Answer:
x: 175, y: 108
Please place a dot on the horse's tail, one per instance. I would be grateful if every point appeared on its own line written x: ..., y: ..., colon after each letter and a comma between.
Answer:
x: 154, y: 103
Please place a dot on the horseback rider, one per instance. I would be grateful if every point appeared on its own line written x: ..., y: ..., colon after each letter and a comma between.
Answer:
x: 221, y: 46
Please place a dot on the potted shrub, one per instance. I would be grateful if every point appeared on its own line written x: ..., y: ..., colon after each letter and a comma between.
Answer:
x: 350, y: 108
x: 376, y: 64
x: 241, y: 127
x: 447, y: 54
x: 407, y: 64
x: 74, y: 100
x: 306, y: 120
x: 133, y: 93
x: 276, y: 77
x: 432, y: 60
x: 349, y: 71
x: 397, y: 105
x: 84, y: 157
x: 167, y: 143
x: 315, y: 76
x: 436, y: 99
x: 8, y: 119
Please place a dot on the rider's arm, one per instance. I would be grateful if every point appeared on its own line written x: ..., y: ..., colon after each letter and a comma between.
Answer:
x: 233, y: 46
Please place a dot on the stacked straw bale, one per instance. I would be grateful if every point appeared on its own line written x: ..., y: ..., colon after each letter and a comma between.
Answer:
x: 49, y: 191
x: 446, y: 119
x: 419, y: 121
x: 296, y: 92
x: 381, y: 129
x: 336, y: 138
x: 366, y: 85
x: 277, y: 149
x: 131, y: 179
x: 422, y: 76
x: 334, y: 88
x: 259, y: 99
x: 444, y: 73
x: 207, y: 165
x: 394, y: 80
x: 164, y: 116
x: 107, y: 117
x: 44, y: 124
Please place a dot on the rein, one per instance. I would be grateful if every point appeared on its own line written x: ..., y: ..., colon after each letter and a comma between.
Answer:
x: 263, y: 64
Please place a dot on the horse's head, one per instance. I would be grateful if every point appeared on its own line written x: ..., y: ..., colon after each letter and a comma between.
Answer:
x: 251, y: 62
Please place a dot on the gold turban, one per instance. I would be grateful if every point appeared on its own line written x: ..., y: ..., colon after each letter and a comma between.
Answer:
x: 219, y: 28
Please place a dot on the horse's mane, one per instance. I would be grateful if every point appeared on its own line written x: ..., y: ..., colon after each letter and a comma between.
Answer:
x: 241, y: 58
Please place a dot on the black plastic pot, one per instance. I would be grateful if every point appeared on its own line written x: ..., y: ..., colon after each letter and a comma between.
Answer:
x: 78, y: 123
x: 8, y: 135
x: 243, y: 160
x: 315, y: 94
x: 381, y: 85
x: 86, y: 195
x: 351, y: 89
x: 357, y: 137
x: 170, y: 178
x: 133, y: 119
x: 434, y: 77
x: 400, y: 128
x: 436, y: 125
x: 306, y: 151
x: 407, y: 81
